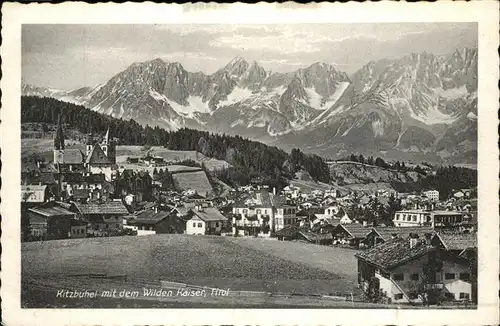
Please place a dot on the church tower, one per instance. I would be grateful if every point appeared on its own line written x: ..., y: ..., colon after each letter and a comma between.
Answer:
x: 89, y: 145
x: 108, y: 146
x: 59, y: 143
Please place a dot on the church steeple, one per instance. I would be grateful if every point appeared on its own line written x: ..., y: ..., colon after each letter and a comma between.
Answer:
x: 59, y: 143
x: 59, y: 137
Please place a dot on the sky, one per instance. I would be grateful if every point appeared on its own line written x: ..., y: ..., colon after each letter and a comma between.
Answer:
x: 70, y: 56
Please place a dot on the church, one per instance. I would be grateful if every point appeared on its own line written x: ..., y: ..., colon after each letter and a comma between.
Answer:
x: 99, y: 156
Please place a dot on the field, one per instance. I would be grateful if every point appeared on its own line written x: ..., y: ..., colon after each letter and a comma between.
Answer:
x: 193, y: 180
x: 240, y: 264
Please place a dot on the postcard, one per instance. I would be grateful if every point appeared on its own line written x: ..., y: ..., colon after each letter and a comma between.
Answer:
x: 220, y: 163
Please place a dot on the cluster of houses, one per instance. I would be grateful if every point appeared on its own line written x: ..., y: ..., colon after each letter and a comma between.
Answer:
x: 430, y: 244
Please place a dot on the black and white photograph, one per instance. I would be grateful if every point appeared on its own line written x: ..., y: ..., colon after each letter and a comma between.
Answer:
x: 328, y: 165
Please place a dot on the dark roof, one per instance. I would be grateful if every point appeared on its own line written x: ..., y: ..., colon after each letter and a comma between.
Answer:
x: 393, y: 253
x: 313, y: 237
x: 72, y: 156
x: 355, y: 230
x: 149, y: 217
x: 458, y: 241
x: 96, y: 178
x: 97, y: 156
x: 51, y: 211
x: 73, y: 177
x: 196, y: 196
x: 209, y: 214
x: 110, y: 207
x: 387, y: 233
x: 288, y: 231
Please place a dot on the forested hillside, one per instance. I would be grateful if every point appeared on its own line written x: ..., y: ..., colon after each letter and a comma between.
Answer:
x: 250, y: 159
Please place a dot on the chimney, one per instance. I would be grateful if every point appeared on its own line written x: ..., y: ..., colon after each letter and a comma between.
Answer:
x: 413, y: 240
x: 274, y: 191
x: 156, y: 209
x: 416, y: 206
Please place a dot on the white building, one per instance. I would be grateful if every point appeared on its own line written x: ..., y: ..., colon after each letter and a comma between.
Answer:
x: 432, y: 194
x: 436, y: 219
x: 205, y: 220
x: 400, y: 266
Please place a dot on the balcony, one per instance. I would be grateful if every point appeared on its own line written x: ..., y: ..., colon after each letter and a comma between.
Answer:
x: 248, y: 223
x: 430, y: 286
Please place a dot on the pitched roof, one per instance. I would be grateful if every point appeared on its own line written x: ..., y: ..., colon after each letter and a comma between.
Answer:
x: 458, y: 241
x: 96, y: 178
x: 149, y: 217
x: 33, y: 187
x: 393, y: 253
x: 72, y: 156
x: 97, y: 156
x: 313, y: 237
x: 288, y: 231
x: 51, y: 211
x: 387, y: 233
x: 209, y: 214
x: 110, y: 207
x: 355, y: 230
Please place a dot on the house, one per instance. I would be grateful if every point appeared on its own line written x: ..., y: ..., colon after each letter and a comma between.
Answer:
x: 409, y: 270
x: 50, y: 221
x: 289, y: 232
x: 460, y: 244
x: 34, y: 194
x: 207, y: 221
x: 432, y: 194
x: 254, y: 215
x: 78, y: 229
x: 285, y: 214
x: 437, y: 219
x: 317, y: 238
x: 354, y: 234
x: 154, y: 221
x: 103, y: 217
x: 379, y: 235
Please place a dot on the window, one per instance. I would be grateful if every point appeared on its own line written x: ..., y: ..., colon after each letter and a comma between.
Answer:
x: 449, y: 276
x: 465, y: 276
x: 397, y: 216
x: 413, y: 296
x: 414, y: 218
x: 258, y: 211
x: 200, y: 225
x: 216, y: 224
x: 194, y: 224
x: 398, y: 277
x: 265, y: 211
x: 414, y: 277
x: 398, y: 296
x: 464, y: 295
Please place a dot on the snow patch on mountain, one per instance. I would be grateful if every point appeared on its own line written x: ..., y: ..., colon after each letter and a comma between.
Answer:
x: 432, y: 116
x: 451, y: 93
x: 238, y: 94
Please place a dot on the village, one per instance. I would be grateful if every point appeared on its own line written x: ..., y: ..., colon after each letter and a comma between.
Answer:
x: 409, y: 247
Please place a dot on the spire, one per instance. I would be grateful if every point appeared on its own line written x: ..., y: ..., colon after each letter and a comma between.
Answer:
x: 59, y: 137
x: 106, y: 137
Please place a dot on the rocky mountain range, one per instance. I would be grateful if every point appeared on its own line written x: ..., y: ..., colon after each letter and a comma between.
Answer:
x: 419, y: 106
